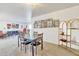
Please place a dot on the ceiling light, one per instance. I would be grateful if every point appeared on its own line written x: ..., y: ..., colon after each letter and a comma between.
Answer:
x: 36, y: 5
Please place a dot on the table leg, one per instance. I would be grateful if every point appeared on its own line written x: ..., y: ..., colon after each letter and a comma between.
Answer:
x: 32, y: 50
x: 41, y: 44
x: 18, y: 42
x: 25, y: 48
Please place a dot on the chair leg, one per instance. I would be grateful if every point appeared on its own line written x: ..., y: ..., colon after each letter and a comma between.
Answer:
x: 32, y: 50
x: 59, y: 43
x: 21, y: 47
x: 41, y: 44
x: 25, y: 48
x: 36, y: 50
x: 18, y: 42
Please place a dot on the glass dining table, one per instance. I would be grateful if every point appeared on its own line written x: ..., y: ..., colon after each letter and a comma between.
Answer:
x: 31, y: 40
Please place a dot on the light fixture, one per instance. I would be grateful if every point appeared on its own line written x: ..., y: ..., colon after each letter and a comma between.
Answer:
x: 36, y: 5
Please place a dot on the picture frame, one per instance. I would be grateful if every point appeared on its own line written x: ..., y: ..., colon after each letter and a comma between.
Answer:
x: 39, y: 24
x: 42, y: 23
x: 8, y: 26
x: 35, y: 24
x: 56, y: 23
x: 49, y: 23
x: 13, y: 26
x: 17, y: 26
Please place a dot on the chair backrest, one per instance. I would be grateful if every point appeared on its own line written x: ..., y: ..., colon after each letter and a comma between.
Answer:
x: 21, y: 36
x: 38, y: 41
x: 40, y: 35
x: 39, y: 38
x: 35, y: 34
x: 1, y: 33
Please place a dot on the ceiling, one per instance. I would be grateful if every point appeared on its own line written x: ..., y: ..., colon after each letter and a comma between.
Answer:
x: 18, y: 10
x: 44, y: 8
x: 12, y: 11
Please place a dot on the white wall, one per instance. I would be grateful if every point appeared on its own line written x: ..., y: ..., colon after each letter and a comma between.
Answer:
x: 50, y: 34
x: 16, y: 18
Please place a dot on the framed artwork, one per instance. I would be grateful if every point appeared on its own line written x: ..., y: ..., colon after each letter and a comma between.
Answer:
x: 53, y: 23
x: 46, y: 23
x: 39, y: 24
x: 56, y: 23
x: 35, y: 24
x: 50, y: 23
x: 13, y: 26
x: 8, y: 26
x: 42, y: 23
x: 17, y: 26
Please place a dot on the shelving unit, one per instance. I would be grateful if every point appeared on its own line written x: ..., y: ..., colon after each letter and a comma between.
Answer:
x: 68, y: 34
x: 72, y: 42
x: 65, y: 37
x: 72, y: 28
x: 69, y: 24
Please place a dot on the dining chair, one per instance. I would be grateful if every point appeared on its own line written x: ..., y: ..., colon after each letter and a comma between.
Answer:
x: 38, y: 41
x: 22, y: 41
